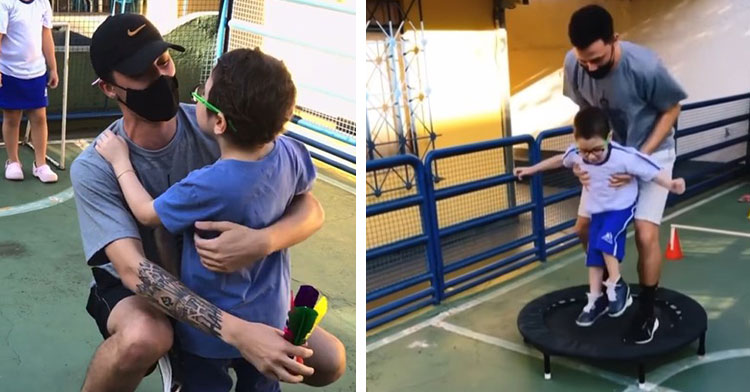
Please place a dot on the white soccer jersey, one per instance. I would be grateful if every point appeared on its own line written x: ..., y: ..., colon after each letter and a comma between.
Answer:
x: 602, y: 197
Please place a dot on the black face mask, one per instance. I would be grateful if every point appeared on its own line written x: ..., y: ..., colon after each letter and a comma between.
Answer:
x: 158, y: 102
x: 603, y: 70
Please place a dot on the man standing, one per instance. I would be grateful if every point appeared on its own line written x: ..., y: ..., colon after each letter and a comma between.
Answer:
x: 132, y: 291
x: 642, y: 100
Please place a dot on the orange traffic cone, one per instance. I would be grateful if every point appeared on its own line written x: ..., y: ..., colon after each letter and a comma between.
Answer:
x: 674, y: 251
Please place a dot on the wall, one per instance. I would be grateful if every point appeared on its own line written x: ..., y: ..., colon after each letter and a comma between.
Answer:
x: 698, y: 40
x: 461, y: 59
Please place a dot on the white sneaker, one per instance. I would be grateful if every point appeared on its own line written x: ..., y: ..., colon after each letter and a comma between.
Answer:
x: 44, y: 173
x: 13, y: 171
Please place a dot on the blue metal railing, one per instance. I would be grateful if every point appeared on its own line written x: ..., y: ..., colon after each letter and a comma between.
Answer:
x: 433, y: 274
x: 551, y: 221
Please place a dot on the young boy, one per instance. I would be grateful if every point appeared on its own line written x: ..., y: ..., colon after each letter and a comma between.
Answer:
x: 27, y: 68
x: 611, y: 209
x: 247, y: 101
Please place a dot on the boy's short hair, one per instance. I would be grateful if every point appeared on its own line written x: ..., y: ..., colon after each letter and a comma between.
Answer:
x: 255, y: 91
x: 589, y: 24
x: 591, y: 122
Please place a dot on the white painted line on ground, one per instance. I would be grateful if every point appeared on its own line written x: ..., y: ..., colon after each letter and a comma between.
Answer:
x: 538, y: 273
x: 522, y: 349
x: 666, y: 372
x: 39, y: 204
x: 337, y: 183
x: 700, y: 203
x: 709, y: 230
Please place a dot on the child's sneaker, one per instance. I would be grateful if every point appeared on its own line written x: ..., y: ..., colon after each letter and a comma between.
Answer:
x: 619, y: 297
x: 594, y: 309
x: 44, y: 173
x: 13, y: 171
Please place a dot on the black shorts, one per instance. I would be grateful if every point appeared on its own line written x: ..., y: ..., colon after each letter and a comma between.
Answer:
x: 103, y: 297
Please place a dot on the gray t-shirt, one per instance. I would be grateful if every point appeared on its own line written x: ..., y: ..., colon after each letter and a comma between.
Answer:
x: 634, y: 94
x: 103, y: 213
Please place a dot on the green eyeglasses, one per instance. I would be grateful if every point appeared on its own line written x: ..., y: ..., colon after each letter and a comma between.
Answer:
x: 198, y: 97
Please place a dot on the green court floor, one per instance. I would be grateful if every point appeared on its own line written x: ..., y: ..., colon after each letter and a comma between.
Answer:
x: 46, y: 336
x: 473, y: 344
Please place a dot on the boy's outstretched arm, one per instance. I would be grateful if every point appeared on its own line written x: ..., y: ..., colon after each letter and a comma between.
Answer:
x: 115, y: 150
x: 550, y: 163
x: 676, y: 185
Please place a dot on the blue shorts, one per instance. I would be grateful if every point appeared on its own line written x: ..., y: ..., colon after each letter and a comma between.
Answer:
x: 607, y: 232
x: 23, y: 94
x: 212, y: 375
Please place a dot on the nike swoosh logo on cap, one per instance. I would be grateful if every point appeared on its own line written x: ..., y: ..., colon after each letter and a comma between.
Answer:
x: 134, y: 32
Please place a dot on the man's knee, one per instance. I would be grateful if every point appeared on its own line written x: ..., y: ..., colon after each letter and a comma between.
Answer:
x: 143, y: 341
x: 646, y: 235
x: 330, y: 361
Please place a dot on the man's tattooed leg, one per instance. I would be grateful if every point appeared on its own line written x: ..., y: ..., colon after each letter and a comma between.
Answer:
x: 175, y: 299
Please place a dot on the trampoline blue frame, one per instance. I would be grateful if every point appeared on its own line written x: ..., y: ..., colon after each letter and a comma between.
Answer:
x: 531, y: 248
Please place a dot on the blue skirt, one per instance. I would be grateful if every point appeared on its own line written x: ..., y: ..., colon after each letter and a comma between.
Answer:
x: 22, y: 94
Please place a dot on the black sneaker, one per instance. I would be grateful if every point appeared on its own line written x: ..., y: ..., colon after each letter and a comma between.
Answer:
x: 619, y: 297
x: 590, y: 314
x: 642, y: 330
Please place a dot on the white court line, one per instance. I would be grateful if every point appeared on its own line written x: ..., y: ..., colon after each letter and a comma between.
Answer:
x: 538, y: 273
x: 47, y: 202
x: 666, y: 372
x: 702, y: 202
x: 709, y: 230
x: 337, y: 183
x: 502, y: 290
x: 522, y: 349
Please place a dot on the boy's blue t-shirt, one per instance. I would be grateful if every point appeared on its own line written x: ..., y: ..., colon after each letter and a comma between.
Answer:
x: 253, y: 194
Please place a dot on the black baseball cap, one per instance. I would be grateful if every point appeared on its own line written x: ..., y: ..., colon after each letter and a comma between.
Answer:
x: 126, y: 43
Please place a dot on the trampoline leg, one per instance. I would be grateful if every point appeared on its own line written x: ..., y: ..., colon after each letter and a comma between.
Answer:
x: 641, y: 375
x: 702, y: 345
x: 547, y: 372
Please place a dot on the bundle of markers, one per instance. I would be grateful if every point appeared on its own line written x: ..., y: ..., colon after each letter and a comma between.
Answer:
x: 307, y: 309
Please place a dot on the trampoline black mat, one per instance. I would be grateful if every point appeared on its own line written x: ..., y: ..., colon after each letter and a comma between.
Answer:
x: 548, y: 323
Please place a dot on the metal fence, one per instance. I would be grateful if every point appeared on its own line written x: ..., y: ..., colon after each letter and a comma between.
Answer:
x: 313, y: 39
x: 435, y: 233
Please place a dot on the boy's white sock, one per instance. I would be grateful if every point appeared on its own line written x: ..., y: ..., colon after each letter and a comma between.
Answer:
x: 592, y: 299
x: 611, y: 294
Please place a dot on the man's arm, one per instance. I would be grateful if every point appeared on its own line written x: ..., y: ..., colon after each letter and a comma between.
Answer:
x: 239, y: 246
x: 261, y: 345
x: 661, y: 129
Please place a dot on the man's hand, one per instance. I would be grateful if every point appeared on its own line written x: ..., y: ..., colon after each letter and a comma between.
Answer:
x: 619, y: 180
x: 583, y: 176
x: 114, y: 149
x: 266, y: 349
x: 53, y: 79
x: 236, y: 247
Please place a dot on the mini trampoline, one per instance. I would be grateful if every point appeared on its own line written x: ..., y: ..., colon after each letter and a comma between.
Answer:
x: 548, y: 324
